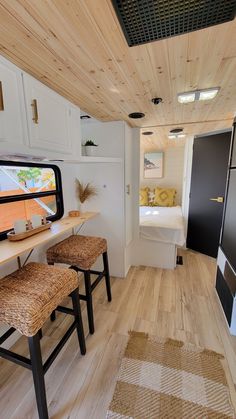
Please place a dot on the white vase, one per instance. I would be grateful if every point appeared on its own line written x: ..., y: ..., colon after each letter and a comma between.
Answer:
x: 91, y: 150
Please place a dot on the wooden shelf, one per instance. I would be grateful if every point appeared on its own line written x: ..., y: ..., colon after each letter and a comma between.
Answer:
x: 10, y: 250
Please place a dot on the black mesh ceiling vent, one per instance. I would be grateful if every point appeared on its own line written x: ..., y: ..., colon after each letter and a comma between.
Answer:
x: 145, y: 21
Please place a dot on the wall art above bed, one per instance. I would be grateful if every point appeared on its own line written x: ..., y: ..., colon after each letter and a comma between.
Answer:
x: 153, y: 165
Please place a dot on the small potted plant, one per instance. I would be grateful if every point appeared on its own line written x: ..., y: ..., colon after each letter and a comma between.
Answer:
x: 90, y: 148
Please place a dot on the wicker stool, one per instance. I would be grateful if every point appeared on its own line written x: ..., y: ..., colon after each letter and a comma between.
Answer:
x: 27, y: 298
x: 81, y: 252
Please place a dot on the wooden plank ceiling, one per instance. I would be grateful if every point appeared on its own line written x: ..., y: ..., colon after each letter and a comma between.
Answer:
x: 77, y: 48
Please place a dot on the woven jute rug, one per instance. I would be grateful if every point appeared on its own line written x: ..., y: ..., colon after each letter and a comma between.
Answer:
x: 167, y: 379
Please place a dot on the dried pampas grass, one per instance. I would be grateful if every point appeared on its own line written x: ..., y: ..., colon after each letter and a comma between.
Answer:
x: 85, y: 192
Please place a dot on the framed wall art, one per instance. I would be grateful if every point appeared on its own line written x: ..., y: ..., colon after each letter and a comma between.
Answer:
x: 153, y: 165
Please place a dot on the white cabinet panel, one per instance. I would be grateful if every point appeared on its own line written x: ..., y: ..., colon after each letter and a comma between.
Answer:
x: 51, y: 130
x: 12, y: 127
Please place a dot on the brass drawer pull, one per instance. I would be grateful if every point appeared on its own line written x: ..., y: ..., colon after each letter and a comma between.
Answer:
x: 219, y: 199
x: 1, y: 98
x: 35, y: 111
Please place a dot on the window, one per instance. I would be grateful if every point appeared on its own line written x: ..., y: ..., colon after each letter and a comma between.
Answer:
x: 27, y: 189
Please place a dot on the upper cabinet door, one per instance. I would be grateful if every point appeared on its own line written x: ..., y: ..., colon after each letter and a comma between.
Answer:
x: 12, y: 123
x: 49, y: 117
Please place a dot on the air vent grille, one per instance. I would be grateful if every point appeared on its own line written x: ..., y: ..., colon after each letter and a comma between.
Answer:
x: 145, y: 21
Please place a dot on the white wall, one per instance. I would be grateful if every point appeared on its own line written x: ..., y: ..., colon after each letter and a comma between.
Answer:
x: 108, y: 178
x: 172, y: 172
x: 132, y: 159
x: 108, y: 136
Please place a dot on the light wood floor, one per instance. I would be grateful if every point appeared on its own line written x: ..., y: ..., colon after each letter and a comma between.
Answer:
x: 181, y: 304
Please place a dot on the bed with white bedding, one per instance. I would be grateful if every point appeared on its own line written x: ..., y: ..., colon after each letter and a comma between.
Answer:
x: 161, y: 232
x: 162, y: 224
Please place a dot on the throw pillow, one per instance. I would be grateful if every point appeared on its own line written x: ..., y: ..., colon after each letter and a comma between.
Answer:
x: 143, y: 197
x: 164, y: 197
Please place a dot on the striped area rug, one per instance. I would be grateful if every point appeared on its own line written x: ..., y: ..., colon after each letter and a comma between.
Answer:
x: 167, y: 379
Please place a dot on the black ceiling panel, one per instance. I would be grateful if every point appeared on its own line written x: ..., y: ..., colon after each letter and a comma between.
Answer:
x: 145, y: 21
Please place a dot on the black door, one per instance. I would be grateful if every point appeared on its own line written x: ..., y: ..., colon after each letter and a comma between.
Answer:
x: 208, y: 183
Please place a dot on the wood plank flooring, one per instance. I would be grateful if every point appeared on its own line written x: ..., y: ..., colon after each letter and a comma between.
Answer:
x: 181, y: 304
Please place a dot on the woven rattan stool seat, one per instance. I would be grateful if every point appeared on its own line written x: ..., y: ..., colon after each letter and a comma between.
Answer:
x: 77, y: 250
x: 29, y: 295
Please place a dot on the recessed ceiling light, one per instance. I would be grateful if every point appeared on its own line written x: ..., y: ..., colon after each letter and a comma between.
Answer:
x: 204, y: 94
x: 156, y: 100
x: 85, y: 117
x: 136, y: 115
x: 176, y: 130
x: 147, y: 132
x: 114, y: 90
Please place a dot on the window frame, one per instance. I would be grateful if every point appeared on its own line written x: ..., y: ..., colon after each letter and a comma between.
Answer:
x: 58, y: 193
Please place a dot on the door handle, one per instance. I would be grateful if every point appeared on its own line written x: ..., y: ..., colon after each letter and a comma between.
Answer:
x: 219, y: 199
x: 1, y: 98
x: 35, y: 111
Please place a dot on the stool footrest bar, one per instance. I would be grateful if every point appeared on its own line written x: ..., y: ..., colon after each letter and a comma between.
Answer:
x: 25, y: 362
x: 65, y: 310
x: 16, y: 358
x: 59, y: 346
x: 97, y: 280
x: 7, y: 334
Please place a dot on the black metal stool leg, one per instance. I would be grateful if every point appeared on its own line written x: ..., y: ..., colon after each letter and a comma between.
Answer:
x: 89, y: 301
x: 38, y: 375
x: 107, y: 275
x: 78, y: 319
x: 53, y: 316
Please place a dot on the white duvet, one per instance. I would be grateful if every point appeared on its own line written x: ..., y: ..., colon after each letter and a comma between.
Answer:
x: 165, y: 224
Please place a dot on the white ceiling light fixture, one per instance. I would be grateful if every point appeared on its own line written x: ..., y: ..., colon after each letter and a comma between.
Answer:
x: 187, y: 97
x: 208, y: 94
x: 204, y: 94
x: 176, y: 136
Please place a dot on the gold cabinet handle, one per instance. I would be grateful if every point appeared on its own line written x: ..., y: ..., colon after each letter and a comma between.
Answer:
x: 35, y: 111
x: 218, y: 199
x: 1, y: 98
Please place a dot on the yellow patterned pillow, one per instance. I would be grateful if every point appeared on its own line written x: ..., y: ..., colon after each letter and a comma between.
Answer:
x: 164, y: 197
x: 143, y: 197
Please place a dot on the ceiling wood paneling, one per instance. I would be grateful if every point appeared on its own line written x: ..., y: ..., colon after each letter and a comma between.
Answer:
x: 160, y: 141
x: 77, y: 48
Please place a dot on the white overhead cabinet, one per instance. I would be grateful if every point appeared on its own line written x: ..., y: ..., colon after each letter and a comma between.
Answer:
x: 50, y: 117
x: 12, y: 126
x: 34, y: 118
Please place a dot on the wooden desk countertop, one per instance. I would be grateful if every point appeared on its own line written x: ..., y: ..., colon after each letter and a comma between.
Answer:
x: 10, y: 250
